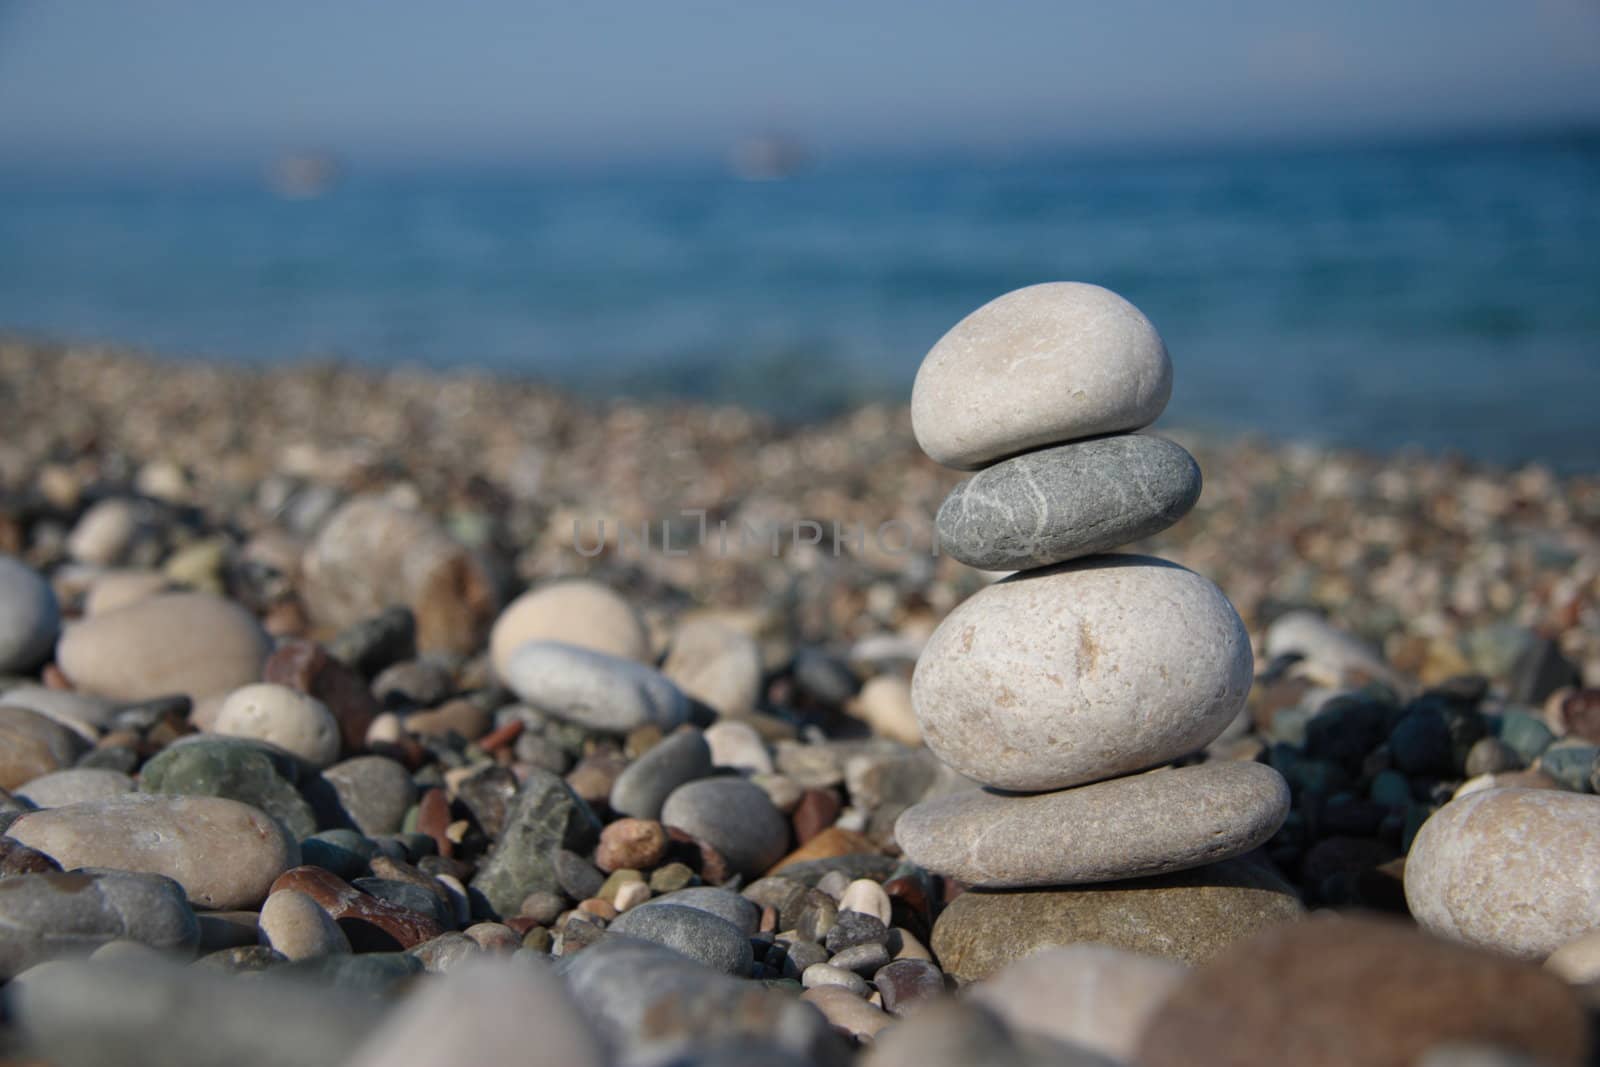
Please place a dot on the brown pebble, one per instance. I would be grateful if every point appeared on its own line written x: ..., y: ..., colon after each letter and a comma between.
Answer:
x: 538, y: 939
x: 832, y: 842
x: 433, y: 819
x: 597, y: 906
x: 769, y: 919
x: 494, y: 937
x: 594, y: 776
x: 818, y: 809
x: 502, y: 737
x: 307, y: 666
x: 631, y: 844
x: 351, y: 907
x: 460, y: 718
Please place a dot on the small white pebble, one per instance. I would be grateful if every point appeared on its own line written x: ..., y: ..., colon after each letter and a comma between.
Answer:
x: 631, y: 895
x: 866, y: 896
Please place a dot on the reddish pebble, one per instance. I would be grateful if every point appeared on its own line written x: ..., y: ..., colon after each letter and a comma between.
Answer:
x: 597, y: 906
x: 433, y: 819
x: 632, y: 845
x: 306, y: 666
x: 347, y: 904
x: 769, y: 919
x: 818, y: 809
x: 54, y: 679
x: 501, y: 737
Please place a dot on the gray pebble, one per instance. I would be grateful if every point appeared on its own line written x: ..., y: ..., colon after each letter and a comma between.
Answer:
x: 732, y: 816
x: 697, y: 934
x: 645, y: 784
x: 821, y: 974
x: 862, y: 959
x: 855, y: 928
x: 722, y: 903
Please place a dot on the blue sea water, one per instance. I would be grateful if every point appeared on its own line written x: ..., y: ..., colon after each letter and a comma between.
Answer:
x: 1439, y: 295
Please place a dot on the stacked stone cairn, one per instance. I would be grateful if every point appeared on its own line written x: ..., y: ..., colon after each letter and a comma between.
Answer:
x: 1068, y: 688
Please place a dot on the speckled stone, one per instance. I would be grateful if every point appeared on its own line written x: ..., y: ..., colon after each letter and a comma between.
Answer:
x: 224, y: 854
x: 1189, y: 916
x: 1146, y: 824
x: 694, y: 932
x: 544, y: 817
x: 1068, y: 501
x: 1516, y: 870
x: 1081, y: 672
x: 1039, y: 366
x: 593, y: 689
x: 1347, y: 992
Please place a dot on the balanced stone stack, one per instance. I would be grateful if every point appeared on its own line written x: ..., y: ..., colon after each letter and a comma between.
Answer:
x: 1062, y: 688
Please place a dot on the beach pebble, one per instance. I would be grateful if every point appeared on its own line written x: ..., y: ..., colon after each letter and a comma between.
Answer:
x: 733, y: 817
x: 730, y: 906
x: 48, y: 914
x: 826, y: 974
x: 1038, y: 366
x: 371, y: 793
x: 30, y: 618
x: 32, y: 746
x: 295, y: 925
x: 847, y: 1010
x: 192, y: 643
x: 1068, y: 501
x: 906, y: 985
x: 1577, y: 961
x: 485, y: 1011
x: 296, y: 723
x: 737, y: 745
x: 884, y: 704
x: 118, y: 589
x: 247, y: 771
x: 224, y: 854
x: 867, y: 897
x: 544, y: 817
x: 372, y: 554
x: 715, y: 664
x: 307, y: 667
x: 1189, y: 916
x: 75, y: 785
x: 696, y: 933
x: 645, y: 784
x: 1082, y: 672
x: 373, y: 924
x: 1086, y: 994
x: 1383, y: 994
x: 861, y: 959
x: 85, y: 715
x: 574, y: 612
x: 963, y: 1034
x: 105, y: 532
x: 632, y: 844
x: 595, y: 690
x: 1345, y: 658
x: 1515, y: 870
x: 1146, y: 824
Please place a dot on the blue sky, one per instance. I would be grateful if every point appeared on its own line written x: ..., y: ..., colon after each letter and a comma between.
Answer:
x: 96, y: 79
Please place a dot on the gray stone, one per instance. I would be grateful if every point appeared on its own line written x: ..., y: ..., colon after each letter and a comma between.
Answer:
x: 722, y: 903
x: 1189, y: 916
x: 962, y: 1034
x: 370, y: 793
x: 224, y: 854
x: 1154, y: 823
x: 374, y: 643
x: 297, y: 926
x: 487, y: 1011
x: 594, y: 689
x: 1038, y: 366
x: 822, y: 974
x: 344, y: 852
x: 446, y: 952
x: 85, y: 715
x: 862, y: 959
x: 1080, y: 672
x: 544, y: 817
x: 79, y: 1014
x: 855, y: 928
x: 30, y: 618
x: 697, y: 934
x: 32, y: 745
x: 1514, y: 870
x: 645, y: 784
x: 377, y: 973
x: 75, y: 784
x: 1068, y: 501
x: 645, y: 999
x: 732, y: 816
x: 247, y: 771
x: 51, y: 914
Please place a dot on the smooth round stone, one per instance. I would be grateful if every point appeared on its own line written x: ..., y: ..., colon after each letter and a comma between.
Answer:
x: 1189, y: 916
x: 1339, y: 991
x: 592, y: 689
x: 85, y: 715
x: 192, y: 643
x: 1515, y: 870
x: 247, y: 771
x: 645, y: 784
x: 30, y: 618
x: 118, y: 589
x: 295, y: 925
x: 738, y: 745
x: 716, y: 665
x: 1039, y: 366
x: 1072, y: 500
x: 1094, y: 996
x: 32, y: 745
x: 698, y: 934
x: 105, y: 531
x: 49, y: 914
x: 575, y: 612
x: 295, y: 722
x: 732, y: 816
x: 824, y: 974
x: 1080, y: 672
x: 372, y: 793
x: 722, y: 903
x: 75, y: 785
x: 1155, y: 823
x: 224, y: 854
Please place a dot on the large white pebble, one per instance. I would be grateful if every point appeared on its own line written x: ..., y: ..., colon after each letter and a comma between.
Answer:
x: 285, y: 717
x: 1083, y: 671
x: 1515, y: 870
x: 1039, y: 366
x: 576, y: 612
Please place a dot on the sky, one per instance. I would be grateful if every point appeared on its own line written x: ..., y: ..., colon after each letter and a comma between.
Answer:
x: 109, y: 80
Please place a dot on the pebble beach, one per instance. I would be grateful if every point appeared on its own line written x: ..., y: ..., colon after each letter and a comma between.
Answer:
x: 403, y: 718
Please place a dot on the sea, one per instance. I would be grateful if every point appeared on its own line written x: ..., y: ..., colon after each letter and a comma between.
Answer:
x: 1440, y: 295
